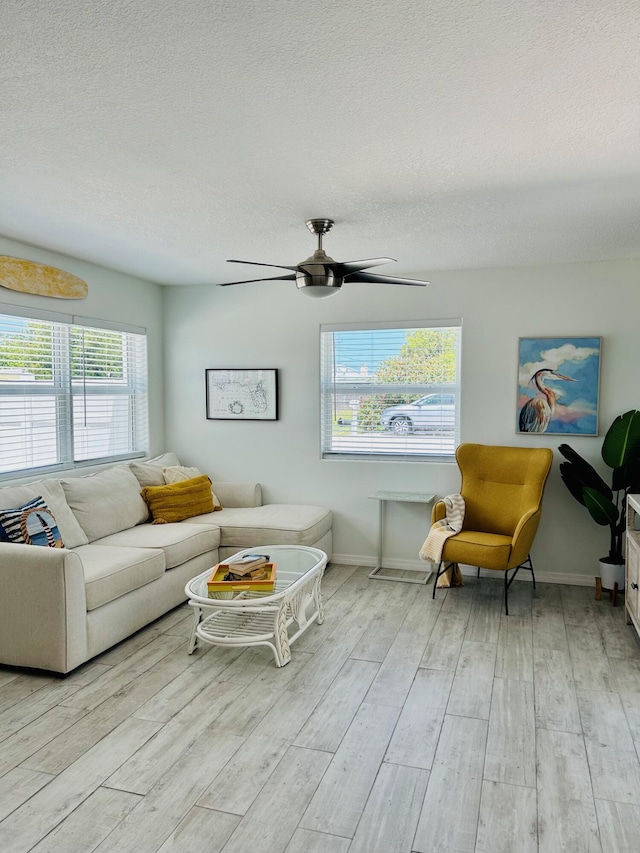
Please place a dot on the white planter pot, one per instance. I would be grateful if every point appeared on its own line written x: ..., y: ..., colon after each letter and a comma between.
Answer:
x: 611, y: 574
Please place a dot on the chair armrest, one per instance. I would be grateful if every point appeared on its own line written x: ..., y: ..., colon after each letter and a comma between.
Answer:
x: 43, y: 610
x: 438, y: 512
x: 238, y: 494
x: 523, y: 537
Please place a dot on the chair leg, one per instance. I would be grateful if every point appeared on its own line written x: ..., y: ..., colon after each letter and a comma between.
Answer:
x: 435, y: 580
x: 442, y: 568
x: 508, y: 583
x: 478, y: 575
x: 530, y: 568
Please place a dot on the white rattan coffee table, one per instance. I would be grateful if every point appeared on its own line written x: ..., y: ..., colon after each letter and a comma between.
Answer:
x: 262, y: 618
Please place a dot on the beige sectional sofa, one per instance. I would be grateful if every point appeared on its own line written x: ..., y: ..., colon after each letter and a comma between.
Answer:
x: 59, y: 607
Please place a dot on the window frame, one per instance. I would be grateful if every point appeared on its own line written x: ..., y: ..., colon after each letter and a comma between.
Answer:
x: 65, y: 388
x: 330, y: 388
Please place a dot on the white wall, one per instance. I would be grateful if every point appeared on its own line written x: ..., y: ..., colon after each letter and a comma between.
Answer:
x: 272, y: 325
x: 112, y: 296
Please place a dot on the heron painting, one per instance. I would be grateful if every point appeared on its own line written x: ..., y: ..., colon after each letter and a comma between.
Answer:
x: 558, y: 384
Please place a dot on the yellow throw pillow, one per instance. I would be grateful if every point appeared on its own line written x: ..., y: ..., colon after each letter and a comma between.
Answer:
x: 178, y: 501
x: 178, y: 473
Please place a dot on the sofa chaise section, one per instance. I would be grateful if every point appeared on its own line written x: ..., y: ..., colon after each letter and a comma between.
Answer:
x: 245, y: 522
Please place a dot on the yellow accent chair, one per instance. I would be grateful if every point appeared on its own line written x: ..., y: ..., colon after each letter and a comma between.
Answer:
x: 502, y: 489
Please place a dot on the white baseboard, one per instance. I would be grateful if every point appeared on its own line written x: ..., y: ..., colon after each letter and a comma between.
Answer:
x: 471, y: 571
x: 355, y: 560
x: 541, y: 577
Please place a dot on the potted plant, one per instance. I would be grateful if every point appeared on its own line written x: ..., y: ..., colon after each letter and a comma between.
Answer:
x: 607, y: 504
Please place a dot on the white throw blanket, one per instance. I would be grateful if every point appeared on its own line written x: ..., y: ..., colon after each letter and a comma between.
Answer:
x: 443, y: 529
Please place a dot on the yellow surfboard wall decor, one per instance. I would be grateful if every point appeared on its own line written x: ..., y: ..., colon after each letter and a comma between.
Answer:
x: 31, y: 277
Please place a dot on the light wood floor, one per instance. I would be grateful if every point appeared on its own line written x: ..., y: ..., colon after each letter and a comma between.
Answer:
x: 401, y: 724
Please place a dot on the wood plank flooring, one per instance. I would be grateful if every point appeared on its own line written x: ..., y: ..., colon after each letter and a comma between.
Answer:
x: 401, y: 725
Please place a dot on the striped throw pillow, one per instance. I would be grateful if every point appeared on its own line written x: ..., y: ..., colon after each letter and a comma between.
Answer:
x: 32, y: 523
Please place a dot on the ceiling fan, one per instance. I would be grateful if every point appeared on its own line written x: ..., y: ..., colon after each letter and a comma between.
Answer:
x: 319, y: 275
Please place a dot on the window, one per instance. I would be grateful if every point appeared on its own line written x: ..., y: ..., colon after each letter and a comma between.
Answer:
x: 390, y: 390
x: 71, y: 392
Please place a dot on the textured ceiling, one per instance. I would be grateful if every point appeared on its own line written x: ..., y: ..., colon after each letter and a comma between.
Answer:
x: 161, y: 137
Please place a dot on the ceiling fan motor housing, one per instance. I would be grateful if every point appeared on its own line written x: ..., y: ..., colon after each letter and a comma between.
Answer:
x: 316, y: 277
x: 317, y: 280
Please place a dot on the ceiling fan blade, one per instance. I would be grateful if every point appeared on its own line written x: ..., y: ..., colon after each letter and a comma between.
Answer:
x: 346, y: 267
x: 250, y: 280
x: 373, y: 278
x: 258, y: 264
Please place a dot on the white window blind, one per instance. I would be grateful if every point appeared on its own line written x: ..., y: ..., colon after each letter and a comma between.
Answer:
x: 390, y: 390
x: 69, y: 393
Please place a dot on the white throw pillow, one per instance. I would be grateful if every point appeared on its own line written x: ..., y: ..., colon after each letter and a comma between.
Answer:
x: 149, y: 471
x: 178, y: 473
x: 106, y: 502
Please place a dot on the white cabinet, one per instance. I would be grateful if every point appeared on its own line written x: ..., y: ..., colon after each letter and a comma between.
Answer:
x: 632, y: 569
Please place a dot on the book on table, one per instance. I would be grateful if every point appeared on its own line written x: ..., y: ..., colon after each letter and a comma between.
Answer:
x: 223, y: 579
x: 246, y: 565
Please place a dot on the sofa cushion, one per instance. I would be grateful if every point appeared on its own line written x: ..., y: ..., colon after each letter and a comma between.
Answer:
x: 32, y: 523
x: 179, y: 542
x: 273, y: 524
x: 179, y: 501
x: 112, y: 572
x: 178, y: 473
x: 149, y: 472
x: 53, y: 494
x: 106, y: 502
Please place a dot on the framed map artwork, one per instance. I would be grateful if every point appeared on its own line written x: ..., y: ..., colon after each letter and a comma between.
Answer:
x: 241, y: 395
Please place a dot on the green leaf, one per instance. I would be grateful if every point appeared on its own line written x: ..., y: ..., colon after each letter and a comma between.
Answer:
x: 632, y: 477
x: 577, y: 472
x: 574, y: 485
x: 602, y: 510
x: 627, y: 477
x: 622, y: 442
x: 568, y: 452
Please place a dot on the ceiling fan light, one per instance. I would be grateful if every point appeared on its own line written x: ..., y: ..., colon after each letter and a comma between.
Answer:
x: 317, y: 280
x: 319, y: 291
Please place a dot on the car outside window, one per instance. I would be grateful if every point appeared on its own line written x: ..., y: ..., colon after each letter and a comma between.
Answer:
x: 434, y: 413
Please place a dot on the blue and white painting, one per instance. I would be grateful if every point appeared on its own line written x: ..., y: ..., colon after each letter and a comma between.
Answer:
x: 558, y: 385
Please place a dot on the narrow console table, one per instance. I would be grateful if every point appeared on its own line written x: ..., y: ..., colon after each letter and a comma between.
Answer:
x: 400, y: 497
